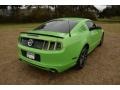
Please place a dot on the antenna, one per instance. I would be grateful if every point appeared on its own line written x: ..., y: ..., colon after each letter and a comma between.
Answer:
x: 69, y: 29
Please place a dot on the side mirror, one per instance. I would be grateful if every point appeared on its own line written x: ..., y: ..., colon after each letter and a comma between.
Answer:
x: 96, y: 27
x: 92, y: 28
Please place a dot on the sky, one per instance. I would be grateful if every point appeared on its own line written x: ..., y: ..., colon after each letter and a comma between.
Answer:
x: 100, y: 7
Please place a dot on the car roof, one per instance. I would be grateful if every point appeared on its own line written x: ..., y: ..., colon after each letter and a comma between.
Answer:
x: 73, y: 19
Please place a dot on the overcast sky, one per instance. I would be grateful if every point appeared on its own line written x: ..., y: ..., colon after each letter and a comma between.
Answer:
x: 100, y: 7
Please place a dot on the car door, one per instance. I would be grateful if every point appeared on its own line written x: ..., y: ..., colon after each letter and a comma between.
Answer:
x: 93, y: 34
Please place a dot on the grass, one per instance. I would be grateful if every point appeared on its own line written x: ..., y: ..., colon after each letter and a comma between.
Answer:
x: 18, y: 26
x: 109, y: 20
x: 108, y: 26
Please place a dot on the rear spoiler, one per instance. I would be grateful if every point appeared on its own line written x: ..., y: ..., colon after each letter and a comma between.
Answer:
x: 41, y: 34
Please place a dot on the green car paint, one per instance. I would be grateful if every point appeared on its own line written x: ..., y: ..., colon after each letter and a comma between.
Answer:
x: 58, y: 50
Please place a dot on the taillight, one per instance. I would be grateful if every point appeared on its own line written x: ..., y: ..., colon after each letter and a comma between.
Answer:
x: 58, y: 46
x: 42, y: 44
x: 52, y: 44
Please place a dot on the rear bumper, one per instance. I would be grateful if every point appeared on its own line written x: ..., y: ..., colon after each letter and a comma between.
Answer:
x: 49, y: 60
x: 44, y: 67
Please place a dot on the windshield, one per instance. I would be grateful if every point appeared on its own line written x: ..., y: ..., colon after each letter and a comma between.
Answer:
x: 57, y: 26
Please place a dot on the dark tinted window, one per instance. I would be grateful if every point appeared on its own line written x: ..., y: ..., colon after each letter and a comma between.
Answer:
x: 57, y: 26
x: 90, y: 24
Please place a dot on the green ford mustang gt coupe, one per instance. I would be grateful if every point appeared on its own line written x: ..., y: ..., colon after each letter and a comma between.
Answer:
x: 59, y: 44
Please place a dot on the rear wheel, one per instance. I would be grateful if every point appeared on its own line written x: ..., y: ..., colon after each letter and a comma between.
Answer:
x: 82, y: 58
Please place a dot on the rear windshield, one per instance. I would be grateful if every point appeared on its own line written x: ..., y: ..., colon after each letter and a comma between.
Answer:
x: 57, y: 26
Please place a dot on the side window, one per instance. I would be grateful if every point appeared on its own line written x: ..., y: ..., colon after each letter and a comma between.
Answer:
x: 90, y: 24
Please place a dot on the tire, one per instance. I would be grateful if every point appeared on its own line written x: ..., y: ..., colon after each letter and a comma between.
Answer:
x: 82, y: 58
x: 101, y: 41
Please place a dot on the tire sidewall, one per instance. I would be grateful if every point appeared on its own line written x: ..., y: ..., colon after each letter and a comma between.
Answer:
x: 78, y: 61
x: 102, y: 39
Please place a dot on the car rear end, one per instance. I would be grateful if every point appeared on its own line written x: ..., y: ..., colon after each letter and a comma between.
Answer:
x: 46, y: 52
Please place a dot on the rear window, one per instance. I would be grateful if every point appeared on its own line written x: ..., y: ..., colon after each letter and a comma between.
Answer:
x: 57, y: 26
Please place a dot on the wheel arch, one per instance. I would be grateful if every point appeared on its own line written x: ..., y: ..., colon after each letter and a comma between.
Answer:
x: 86, y: 45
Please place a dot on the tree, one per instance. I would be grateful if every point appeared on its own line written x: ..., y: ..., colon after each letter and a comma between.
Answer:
x: 110, y: 11
x: 3, y: 9
x: 45, y: 12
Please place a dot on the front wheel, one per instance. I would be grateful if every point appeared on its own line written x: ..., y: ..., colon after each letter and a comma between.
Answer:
x: 82, y: 58
x: 101, y: 41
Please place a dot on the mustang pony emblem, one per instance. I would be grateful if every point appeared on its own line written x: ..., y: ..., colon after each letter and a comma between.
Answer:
x: 30, y: 42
